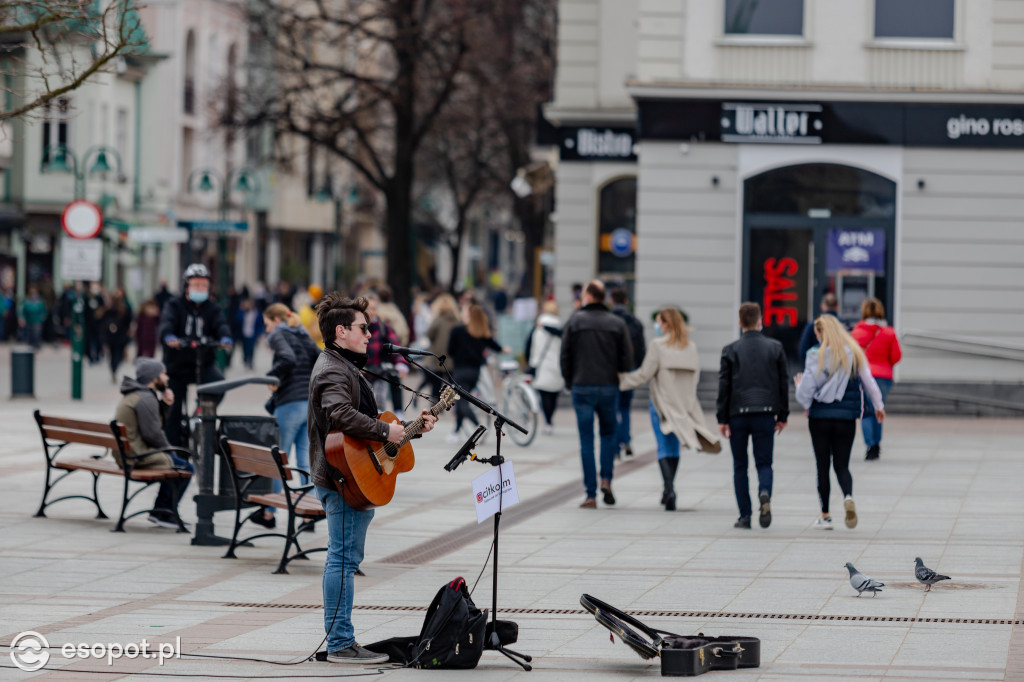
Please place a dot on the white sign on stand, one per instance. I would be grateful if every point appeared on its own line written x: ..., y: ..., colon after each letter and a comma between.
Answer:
x: 497, y: 486
x: 81, y: 259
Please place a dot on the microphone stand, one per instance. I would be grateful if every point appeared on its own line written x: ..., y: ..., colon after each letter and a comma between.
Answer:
x: 492, y: 642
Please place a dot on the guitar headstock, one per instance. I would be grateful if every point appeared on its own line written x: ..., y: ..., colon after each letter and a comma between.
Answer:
x: 448, y: 398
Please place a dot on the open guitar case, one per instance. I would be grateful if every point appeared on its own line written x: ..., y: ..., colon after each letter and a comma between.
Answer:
x: 681, y: 655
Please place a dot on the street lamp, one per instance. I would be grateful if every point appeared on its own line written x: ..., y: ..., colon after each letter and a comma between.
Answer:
x: 246, y: 181
x: 55, y: 160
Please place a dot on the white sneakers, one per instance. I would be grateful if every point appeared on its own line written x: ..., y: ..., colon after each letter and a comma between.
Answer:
x: 851, y: 512
x: 825, y: 522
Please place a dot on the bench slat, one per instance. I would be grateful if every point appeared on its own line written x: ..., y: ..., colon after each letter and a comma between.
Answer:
x: 76, y: 424
x: 106, y: 466
x: 255, y: 459
x: 82, y: 437
x: 308, y: 505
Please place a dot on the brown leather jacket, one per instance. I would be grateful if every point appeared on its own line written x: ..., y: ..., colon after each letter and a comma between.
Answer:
x: 334, y: 406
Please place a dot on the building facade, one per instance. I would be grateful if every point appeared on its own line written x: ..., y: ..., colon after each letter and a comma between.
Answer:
x: 785, y: 149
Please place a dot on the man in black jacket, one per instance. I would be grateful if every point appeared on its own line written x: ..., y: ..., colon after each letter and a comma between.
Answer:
x: 187, y: 325
x: 636, y: 337
x: 595, y: 348
x: 341, y: 399
x: 753, y: 402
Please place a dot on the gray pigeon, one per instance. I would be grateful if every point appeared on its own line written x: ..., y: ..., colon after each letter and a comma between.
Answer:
x: 862, y: 583
x: 927, y: 576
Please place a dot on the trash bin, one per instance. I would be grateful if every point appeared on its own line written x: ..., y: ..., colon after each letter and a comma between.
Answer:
x: 23, y: 362
x: 247, y: 429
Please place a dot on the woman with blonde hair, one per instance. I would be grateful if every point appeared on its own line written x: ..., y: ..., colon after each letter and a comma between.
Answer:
x: 295, y: 353
x: 831, y: 389
x: 672, y: 366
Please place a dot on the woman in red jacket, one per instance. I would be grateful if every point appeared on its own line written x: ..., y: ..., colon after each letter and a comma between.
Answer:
x: 882, y: 349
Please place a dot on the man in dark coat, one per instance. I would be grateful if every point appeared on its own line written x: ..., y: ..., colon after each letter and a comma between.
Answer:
x: 636, y: 336
x: 595, y: 348
x: 753, y: 403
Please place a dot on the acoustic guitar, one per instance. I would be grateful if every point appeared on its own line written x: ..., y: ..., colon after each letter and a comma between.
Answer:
x: 371, y: 467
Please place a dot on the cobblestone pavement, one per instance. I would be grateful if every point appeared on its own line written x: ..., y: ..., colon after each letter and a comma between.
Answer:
x: 946, y: 490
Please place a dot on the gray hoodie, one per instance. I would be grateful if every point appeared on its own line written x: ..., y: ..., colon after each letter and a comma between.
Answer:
x: 143, y: 415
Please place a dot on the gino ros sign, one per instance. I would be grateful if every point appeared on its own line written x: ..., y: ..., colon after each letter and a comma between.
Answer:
x: 961, y: 126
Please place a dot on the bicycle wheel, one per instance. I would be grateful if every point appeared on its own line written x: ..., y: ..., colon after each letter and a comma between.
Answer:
x: 519, y: 409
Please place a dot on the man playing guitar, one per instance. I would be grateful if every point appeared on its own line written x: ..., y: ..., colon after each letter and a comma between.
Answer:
x: 340, y: 399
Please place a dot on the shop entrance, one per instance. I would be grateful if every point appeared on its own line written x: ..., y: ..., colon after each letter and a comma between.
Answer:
x: 811, y: 229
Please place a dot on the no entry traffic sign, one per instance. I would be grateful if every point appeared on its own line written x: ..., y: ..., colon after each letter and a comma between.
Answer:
x: 82, y: 219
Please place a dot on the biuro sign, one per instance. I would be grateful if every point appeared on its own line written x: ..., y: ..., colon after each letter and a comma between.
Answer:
x: 780, y: 289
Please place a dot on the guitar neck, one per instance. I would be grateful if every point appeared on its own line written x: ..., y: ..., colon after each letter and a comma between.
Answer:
x: 416, y: 426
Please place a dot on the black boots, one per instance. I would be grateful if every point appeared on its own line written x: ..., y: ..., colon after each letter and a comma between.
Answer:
x: 668, y: 474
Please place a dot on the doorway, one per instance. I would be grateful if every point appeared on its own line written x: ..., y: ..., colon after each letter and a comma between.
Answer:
x: 813, y: 229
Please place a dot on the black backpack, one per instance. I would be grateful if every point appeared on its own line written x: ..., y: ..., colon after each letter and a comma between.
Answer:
x: 452, y: 635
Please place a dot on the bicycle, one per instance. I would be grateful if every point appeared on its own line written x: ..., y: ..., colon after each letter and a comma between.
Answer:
x: 519, y: 402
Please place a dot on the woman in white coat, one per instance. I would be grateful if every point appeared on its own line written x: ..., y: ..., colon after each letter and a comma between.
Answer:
x: 672, y: 366
x: 545, y: 348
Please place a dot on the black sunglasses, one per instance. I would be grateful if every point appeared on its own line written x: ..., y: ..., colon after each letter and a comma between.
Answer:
x: 363, y: 327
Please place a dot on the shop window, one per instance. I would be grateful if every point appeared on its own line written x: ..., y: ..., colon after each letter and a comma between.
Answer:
x: 764, y: 17
x: 821, y: 189
x: 55, y: 126
x: 914, y: 18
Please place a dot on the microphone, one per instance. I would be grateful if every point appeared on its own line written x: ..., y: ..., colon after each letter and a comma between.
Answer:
x: 390, y: 349
x: 463, y: 452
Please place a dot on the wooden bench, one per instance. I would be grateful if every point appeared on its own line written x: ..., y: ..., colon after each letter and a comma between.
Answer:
x: 247, y: 463
x: 60, y: 432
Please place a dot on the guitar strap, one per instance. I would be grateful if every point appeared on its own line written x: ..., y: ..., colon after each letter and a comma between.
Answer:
x: 395, y: 382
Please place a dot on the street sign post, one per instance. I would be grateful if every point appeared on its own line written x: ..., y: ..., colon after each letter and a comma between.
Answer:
x: 82, y: 259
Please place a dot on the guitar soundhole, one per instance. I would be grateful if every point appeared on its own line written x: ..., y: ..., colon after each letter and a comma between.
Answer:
x: 391, y: 450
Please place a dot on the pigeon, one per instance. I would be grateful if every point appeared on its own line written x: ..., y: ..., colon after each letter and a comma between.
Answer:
x: 927, y: 576
x: 862, y: 583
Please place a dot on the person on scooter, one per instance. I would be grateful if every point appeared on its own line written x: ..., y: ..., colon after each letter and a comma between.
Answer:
x: 190, y: 326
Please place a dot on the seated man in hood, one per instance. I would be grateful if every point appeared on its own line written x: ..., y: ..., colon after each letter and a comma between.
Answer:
x: 143, y: 408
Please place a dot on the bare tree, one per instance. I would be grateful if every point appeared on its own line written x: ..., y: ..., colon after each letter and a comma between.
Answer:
x: 486, y: 130
x: 366, y: 81
x: 51, y: 47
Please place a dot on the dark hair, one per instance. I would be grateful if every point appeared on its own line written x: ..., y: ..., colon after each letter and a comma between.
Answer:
x: 595, y: 290
x: 830, y: 302
x: 384, y: 293
x: 750, y: 315
x: 619, y: 296
x: 334, y: 309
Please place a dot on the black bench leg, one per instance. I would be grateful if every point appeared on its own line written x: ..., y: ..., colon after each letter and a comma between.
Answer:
x: 119, y: 528
x: 230, y: 554
x: 289, y: 541
x: 96, y: 497
x: 41, y: 513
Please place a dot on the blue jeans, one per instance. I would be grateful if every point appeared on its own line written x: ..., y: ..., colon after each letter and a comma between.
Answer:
x: 171, y: 492
x: 622, y: 418
x: 668, y: 446
x: 760, y: 429
x: 602, y: 401
x: 872, y: 429
x: 291, y: 421
x: 346, y: 540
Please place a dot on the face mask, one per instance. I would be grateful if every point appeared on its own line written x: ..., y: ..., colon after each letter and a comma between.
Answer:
x: 198, y: 296
x: 658, y: 330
